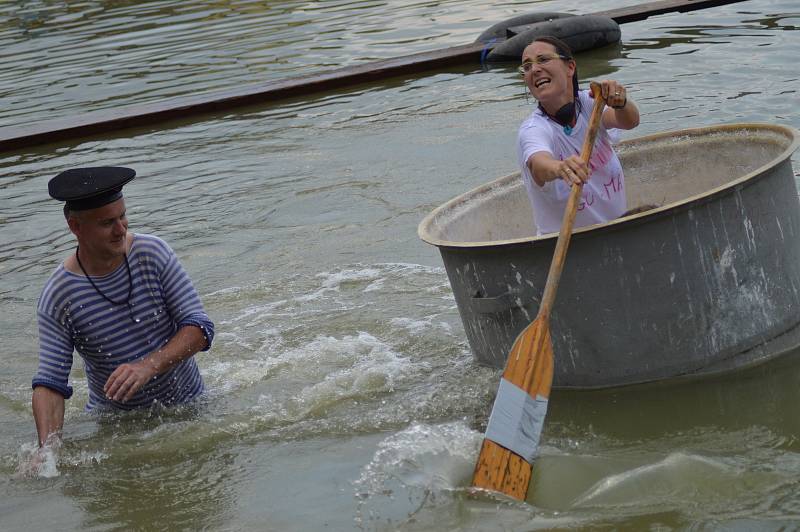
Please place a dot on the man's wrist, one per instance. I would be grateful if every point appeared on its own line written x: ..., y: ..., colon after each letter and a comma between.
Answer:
x: 149, y: 364
x: 52, y: 440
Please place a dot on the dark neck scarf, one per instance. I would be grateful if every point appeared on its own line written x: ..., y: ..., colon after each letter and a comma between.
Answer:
x: 563, y: 117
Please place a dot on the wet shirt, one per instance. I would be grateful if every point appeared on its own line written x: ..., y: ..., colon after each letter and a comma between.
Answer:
x: 73, y: 316
x: 603, y: 196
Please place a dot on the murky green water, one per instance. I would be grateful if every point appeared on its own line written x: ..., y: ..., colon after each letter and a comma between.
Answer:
x: 342, y: 391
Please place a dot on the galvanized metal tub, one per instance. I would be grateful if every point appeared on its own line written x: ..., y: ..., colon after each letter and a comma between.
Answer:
x: 705, y: 283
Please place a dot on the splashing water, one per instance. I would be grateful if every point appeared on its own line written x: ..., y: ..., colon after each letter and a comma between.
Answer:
x: 420, y: 466
x: 36, y: 462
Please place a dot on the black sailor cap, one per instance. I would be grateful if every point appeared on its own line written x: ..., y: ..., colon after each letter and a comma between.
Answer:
x: 89, y: 188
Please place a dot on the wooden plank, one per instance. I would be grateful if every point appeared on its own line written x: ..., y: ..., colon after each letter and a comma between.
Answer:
x: 16, y: 137
x: 651, y: 9
x: 104, y: 121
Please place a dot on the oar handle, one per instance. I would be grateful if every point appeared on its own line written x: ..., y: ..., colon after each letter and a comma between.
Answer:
x: 560, y: 254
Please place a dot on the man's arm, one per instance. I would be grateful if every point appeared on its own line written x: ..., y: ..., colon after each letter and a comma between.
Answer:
x: 127, y: 379
x: 48, y: 413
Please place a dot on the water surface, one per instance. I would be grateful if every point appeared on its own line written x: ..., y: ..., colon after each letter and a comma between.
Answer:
x: 342, y: 392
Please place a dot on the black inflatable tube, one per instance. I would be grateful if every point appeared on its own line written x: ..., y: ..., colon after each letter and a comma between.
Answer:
x: 499, y: 31
x: 581, y: 32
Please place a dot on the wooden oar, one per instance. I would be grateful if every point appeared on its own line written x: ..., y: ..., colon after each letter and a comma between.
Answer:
x: 530, y: 363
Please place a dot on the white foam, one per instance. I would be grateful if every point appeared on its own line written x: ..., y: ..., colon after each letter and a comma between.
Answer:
x: 225, y: 376
x: 376, y: 367
x: 84, y: 457
x: 333, y: 281
x: 375, y: 286
x: 419, y: 326
x: 230, y: 290
x: 347, y: 368
x: 411, y: 268
x: 337, y: 368
x: 262, y: 310
x: 374, y: 277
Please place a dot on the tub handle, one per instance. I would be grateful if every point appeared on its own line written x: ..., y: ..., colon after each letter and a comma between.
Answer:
x: 502, y: 303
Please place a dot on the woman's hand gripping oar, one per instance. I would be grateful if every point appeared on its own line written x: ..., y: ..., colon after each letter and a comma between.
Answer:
x: 512, y: 437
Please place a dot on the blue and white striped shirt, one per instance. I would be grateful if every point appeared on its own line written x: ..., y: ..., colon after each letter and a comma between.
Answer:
x: 74, y: 316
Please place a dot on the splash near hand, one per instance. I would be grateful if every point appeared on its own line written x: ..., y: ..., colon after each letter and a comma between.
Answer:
x: 39, y: 462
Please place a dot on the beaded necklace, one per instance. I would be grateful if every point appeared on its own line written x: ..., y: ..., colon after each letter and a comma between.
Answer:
x: 127, y: 300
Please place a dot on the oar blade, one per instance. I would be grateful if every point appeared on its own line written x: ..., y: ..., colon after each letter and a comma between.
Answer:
x: 503, y: 471
x: 529, y: 367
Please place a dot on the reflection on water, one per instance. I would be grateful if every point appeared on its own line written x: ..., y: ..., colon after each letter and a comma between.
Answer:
x: 342, y: 393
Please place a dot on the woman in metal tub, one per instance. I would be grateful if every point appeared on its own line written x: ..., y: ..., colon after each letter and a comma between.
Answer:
x: 550, y: 139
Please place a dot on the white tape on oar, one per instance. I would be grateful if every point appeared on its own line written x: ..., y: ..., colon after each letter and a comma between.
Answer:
x: 516, y: 420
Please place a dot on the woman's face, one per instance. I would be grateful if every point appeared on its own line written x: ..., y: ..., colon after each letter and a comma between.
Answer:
x: 548, y: 77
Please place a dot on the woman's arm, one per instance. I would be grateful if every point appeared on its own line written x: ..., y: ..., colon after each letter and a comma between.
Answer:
x: 545, y: 168
x: 621, y: 112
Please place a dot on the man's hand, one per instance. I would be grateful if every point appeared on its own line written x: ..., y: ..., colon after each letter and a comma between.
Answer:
x: 127, y: 379
x: 40, y: 461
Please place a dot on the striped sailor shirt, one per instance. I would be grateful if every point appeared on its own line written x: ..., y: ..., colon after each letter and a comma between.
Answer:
x: 73, y: 316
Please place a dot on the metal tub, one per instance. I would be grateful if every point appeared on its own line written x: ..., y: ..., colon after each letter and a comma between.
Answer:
x: 706, y: 282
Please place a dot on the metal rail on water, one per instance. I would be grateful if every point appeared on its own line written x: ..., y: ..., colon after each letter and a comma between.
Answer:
x: 21, y: 136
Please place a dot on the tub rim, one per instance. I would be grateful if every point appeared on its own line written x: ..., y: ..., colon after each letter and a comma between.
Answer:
x: 677, y: 206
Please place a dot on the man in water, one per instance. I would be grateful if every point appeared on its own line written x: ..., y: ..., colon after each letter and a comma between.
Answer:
x: 123, y: 302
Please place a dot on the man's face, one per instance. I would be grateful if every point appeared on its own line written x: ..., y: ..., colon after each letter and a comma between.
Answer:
x: 102, y: 232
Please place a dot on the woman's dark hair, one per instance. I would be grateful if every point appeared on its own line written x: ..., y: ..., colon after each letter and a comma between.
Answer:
x: 563, y: 50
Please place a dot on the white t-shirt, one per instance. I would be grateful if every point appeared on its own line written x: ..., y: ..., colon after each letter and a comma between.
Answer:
x: 603, y: 196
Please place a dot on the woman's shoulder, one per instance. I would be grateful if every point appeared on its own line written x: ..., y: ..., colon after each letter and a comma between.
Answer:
x: 587, y: 102
x: 534, y: 121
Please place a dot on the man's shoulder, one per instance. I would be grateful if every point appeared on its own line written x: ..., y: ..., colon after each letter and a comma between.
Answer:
x: 58, y: 285
x: 58, y: 276
x: 146, y: 239
x: 150, y: 245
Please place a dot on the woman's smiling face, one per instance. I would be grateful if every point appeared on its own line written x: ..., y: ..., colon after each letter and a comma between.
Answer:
x: 549, y: 75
